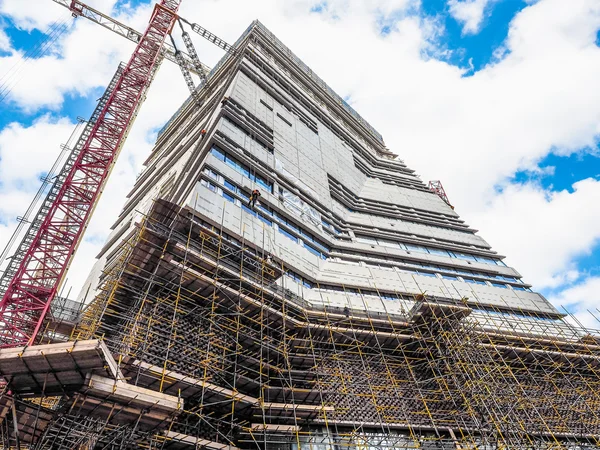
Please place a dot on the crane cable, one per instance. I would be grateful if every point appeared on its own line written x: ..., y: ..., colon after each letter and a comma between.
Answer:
x: 11, y: 78
x: 46, y: 181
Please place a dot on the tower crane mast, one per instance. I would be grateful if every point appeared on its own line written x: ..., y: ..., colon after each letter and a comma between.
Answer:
x: 27, y: 299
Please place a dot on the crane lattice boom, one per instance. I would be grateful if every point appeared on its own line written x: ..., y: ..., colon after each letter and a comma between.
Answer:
x: 37, y: 280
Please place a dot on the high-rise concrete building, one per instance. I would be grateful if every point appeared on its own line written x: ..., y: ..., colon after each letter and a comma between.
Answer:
x: 349, y: 307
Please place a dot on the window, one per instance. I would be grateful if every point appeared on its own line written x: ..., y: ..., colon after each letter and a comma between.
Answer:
x: 263, y: 182
x: 267, y: 106
x: 366, y: 240
x: 465, y: 256
x: 240, y: 168
x: 498, y: 285
x: 265, y: 220
x: 288, y: 234
x: 485, y: 260
x: 209, y: 185
x: 248, y: 210
x: 228, y: 197
x: 449, y: 277
x: 265, y: 210
x: 292, y: 226
x: 387, y: 243
x: 312, y: 250
x: 321, y: 246
x: 211, y: 173
x: 229, y: 185
x: 283, y: 220
x: 416, y: 248
x: 427, y: 274
x: 284, y: 119
x: 463, y: 272
x: 294, y: 276
x: 438, y: 251
x: 519, y: 288
x: 218, y: 153
x: 472, y: 281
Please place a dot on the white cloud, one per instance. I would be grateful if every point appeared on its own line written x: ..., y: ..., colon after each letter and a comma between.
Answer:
x: 541, y: 232
x: 469, y: 12
x: 4, y: 41
x: 539, y: 95
x: 40, y: 14
x: 28, y: 151
x: 583, y: 301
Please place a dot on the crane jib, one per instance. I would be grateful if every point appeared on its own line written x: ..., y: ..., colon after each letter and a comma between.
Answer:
x: 27, y: 299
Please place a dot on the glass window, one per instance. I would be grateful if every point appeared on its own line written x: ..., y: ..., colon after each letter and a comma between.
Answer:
x: 465, y: 256
x: 218, y: 153
x: 366, y: 240
x: 416, y: 248
x: 248, y: 210
x: 292, y: 226
x: 427, y: 274
x: 438, y: 251
x: 229, y: 185
x: 211, y: 173
x: 263, y: 182
x: 518, y: 288
x: 485, y: 260
x: 307, y: 235
x: 499, y: 285
x: 288, y: 234
x: 472, y: 281
x: 293, y: 276
x: 209, y: 185
x: 265, y: 210
x: 265, y: 220
x: 312, y: 250
x: 449, y: 277
x: 306, y: 284
x: 229, y: 197
x: 321, y: 246
x: 387, y: 243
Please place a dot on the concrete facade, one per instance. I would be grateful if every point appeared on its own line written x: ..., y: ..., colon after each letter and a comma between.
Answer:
x: 352, y: 225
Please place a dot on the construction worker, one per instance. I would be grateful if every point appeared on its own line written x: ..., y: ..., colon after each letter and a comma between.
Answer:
x: 253, y: 197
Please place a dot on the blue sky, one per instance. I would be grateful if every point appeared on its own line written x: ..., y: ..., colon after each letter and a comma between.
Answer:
x: 495, y: 97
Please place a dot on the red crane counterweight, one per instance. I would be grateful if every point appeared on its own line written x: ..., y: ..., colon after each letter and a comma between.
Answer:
x: 27, y: 299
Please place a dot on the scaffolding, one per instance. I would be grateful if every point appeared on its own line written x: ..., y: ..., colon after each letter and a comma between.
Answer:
x: 194, y: 341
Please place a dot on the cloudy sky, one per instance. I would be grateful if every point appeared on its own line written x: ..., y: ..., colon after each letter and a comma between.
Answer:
x: 499, y: 99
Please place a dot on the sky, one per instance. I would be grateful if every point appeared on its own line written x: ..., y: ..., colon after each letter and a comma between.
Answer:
x: 498, y: 99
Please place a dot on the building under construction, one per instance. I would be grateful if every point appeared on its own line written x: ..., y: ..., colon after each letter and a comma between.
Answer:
x: 349, y: 308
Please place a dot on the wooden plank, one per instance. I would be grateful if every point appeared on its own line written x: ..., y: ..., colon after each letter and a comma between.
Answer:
x: 119, y: 391
x: 198, y: 442
x: 54, y: 368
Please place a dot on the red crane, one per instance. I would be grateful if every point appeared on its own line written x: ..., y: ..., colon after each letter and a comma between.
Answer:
x: 436, y: 186
x: 37, y: 280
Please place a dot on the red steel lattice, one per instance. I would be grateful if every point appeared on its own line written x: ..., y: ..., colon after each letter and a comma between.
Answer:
x: 29, y: 294
x: 436, y: 186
